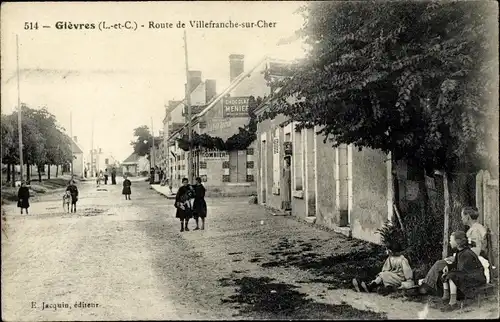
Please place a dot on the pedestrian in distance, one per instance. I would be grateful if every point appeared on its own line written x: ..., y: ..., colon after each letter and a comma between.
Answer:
x: 200, y: 206
x: 73, y: 190
x: 113, y: 175
x: 106, y: 176
x: 126, y: 191
x: 23, y: 197
x: 184, y: 201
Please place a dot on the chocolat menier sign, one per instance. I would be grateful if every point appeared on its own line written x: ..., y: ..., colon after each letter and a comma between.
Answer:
x: 235, y: 106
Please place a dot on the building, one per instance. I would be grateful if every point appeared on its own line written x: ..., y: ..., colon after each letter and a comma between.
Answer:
x: 341, y: 188
x: 135, y: 165
x: 78, y: 158
x: 230, y: 172
x: 99, y: 160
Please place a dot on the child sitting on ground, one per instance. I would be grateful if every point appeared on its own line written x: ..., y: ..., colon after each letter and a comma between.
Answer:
x: 463, y: 274
x: 395, y: 272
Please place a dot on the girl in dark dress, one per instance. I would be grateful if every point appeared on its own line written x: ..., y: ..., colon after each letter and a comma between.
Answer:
x: 73, y: 190
x: 183, y: 199
x: 200, y: 206
x: 126, y: 188
x: 464, y: 273
x: 23, y: 196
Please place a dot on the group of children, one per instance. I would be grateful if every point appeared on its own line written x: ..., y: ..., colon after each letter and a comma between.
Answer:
x: 460, y: 273
x: 70, y: 197
x: 190, y: 203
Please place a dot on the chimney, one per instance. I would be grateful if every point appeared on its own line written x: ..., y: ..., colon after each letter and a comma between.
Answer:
x: 236, y: 66
x: 194, y: 79
x: 75, y: 139
x: 210, y: 89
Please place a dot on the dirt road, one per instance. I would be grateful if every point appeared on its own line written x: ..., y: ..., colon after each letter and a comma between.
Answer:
x: 127, y: 260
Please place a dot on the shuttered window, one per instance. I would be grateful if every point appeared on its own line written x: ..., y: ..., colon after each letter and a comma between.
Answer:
x: 276, y: 162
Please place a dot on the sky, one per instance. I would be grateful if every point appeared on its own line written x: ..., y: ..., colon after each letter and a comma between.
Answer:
x: 124, y: 78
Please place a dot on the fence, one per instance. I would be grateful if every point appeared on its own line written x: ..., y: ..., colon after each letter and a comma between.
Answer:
x: 488, y: 206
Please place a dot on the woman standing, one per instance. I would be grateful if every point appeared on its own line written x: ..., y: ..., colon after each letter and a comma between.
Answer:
x: 200, y: 206
x: 23, y: 196
x: 183, y: 204
x: 106, y: 176
x: 126, y: 188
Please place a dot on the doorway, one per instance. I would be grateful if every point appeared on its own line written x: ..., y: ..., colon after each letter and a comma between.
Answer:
x: 286, y: 203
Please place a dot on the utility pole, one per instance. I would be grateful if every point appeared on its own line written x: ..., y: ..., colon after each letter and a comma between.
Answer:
x: 188, y: 105
x: 153, y: 163
x: 19, y: 117
x: 92, y: 170
x: 71, y: 133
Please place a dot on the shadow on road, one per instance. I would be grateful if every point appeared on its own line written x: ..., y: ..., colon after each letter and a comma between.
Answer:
x: 265, y: 299
x: 336, y: 270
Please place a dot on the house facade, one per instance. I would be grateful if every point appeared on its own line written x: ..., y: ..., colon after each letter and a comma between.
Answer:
x: 78, y: 158
x: 342, y: 188
x: 135, y: 165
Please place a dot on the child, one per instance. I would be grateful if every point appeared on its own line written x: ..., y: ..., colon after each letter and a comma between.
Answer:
x: 126, y: 188
x: 395, y: 271
x: 464, y: 273
x: 73, y: 190
x: 184, y: 202
x: 23, y: 196
x: 200, y: 205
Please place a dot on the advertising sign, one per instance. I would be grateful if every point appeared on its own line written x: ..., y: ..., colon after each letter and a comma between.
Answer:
x: 235, y: 106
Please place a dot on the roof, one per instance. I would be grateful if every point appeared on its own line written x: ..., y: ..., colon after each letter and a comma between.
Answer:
x: 238, y: 80
x: 133, y: 158
x: 75, y: 148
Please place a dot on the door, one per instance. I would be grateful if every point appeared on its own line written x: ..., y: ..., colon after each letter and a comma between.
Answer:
x: 233, y: 166
x: 263, y: 170
x: 286, y: 185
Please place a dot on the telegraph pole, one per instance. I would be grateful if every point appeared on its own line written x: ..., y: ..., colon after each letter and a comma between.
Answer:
x: 92, y: 170
x: 153, y: 163
x: 19, y: 117
x: 71, y: 133
x: 188, y: 105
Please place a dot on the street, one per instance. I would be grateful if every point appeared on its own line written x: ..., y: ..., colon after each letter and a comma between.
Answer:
x: 127, y: 260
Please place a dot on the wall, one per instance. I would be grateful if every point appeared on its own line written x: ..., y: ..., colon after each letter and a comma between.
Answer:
x: 327, y: 213
x: 78, y: 164
x: 273, y: 200
x: 369, y: 194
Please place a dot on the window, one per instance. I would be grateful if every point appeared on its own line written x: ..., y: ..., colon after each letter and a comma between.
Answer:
x: 225, y: 178
x: 250, y: 164
x: 250, y: 151
x: 203, y: 165
x: 106, y: 161
x: 225, y: 165
x: 249, y: 178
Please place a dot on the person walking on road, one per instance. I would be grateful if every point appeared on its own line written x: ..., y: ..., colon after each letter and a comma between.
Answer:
x: 99, y: 178
x: 200, y: 206
x: 183, y: 200
x: 113, y: 175
x: 73, y: 190
x: 106, y: 176
x: 126, y: 188
x: 23, y: 196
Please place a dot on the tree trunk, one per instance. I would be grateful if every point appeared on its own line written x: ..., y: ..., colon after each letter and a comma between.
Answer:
x: 28, y: 173
x: 14, y: 175
x: 48, y: 172
x: 8, y: 172
x: 40, y: 173
x: 57, y: 170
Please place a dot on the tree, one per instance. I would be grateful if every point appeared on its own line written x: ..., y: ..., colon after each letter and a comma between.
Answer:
x: 143, y: 142
x: 411, y: 78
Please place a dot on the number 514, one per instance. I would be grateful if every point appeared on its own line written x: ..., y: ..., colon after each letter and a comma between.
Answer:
x: 30, y: 25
